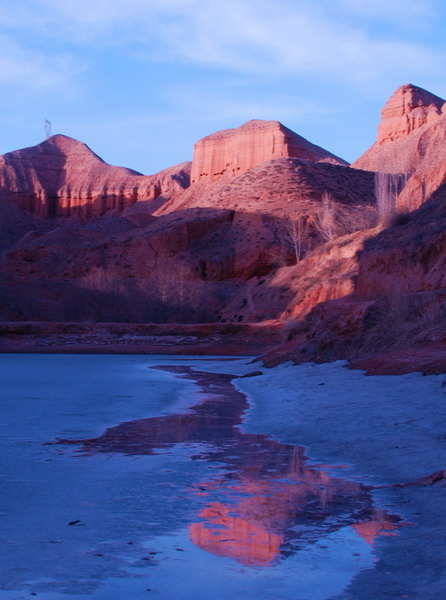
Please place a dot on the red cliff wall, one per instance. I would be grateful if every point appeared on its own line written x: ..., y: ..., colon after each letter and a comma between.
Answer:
x: 235, y: 151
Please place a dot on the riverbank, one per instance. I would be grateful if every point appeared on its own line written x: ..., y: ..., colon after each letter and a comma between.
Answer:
x: 266, y: 339
x: 386, y: 431
x: 231, y: 339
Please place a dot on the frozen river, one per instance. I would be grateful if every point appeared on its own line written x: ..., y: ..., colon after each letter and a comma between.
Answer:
x: 133, y: 477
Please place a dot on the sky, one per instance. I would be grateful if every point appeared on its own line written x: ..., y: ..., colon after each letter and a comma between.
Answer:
x: 140, y: 81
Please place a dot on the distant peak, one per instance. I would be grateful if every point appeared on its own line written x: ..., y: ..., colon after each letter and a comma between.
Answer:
x: 261, y: 124
x: 67, y: 145
x: 409, y: 108
x: 231, y: 152
x: 59, y: 137
x: 64, y: 141
x: 248, y: 127
x: 417, y: 95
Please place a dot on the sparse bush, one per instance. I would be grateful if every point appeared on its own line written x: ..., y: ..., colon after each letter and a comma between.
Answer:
x: 325, y: 221
x: 334, y: 220
x: 292, y: 328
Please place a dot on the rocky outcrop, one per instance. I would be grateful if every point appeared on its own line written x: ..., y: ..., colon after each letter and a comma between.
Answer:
x: 409, y: 257
x: 235, y: 151
x: 411, y: 141
x: 279, y: 186
x: 410, y: 134
x: 408, y: 109
x: 261, y: 202
x: 402, y: 145
x: 397, y: 305
x: 189, y: 258
x: 63, y: 177
x: 327, y: 273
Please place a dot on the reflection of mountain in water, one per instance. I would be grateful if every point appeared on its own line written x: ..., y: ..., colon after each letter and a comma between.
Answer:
x: 267, y: 503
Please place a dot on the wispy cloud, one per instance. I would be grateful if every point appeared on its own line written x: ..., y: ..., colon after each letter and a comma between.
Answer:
x: 28, y: 69
x: 399, y: 12
x: 171, y: 71
x: 248, y: 36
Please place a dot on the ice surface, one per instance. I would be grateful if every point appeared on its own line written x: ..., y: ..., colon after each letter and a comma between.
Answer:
x: 85, y: 521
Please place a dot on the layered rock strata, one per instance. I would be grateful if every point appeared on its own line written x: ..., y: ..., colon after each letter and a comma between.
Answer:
x: 235, y: 151
x: 63, y: 177
x: 408, y: 134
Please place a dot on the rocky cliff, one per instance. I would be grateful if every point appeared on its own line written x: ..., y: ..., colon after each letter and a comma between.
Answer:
x: 393, y: 319
x: 272, y: 228
x: 408, y: 132
x: 408, y: 109
x: 63, y: 177
x: 235, y: 151
x: 162, y: 250
x: 411, y: 141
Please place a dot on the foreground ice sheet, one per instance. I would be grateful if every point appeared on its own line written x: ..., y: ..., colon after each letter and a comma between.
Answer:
x: 158, y: 490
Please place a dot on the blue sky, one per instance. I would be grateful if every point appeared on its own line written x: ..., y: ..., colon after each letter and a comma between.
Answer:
x: 140, y: 81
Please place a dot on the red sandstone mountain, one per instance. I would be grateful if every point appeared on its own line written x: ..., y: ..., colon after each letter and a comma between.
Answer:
x: 398, y: 303
x: 220, y: 248
x: 235, y: 151
x: 206, y: 240
x: 63, y: 177
x: 396, y: 300
x: 411, y: 140
x: 407, y: 133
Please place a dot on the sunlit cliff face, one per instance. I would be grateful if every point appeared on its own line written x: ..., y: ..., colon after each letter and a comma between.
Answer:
x: 266, y: 503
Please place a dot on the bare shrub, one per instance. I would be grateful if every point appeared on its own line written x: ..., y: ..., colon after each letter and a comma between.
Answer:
x: 405, y: 319
x: 334, y: 220
x: 292, y: 328
x: 179, y: 291
x: 355, y: 218
x: 101, y: 280
x: 278, y: 256
x: 325, y: 221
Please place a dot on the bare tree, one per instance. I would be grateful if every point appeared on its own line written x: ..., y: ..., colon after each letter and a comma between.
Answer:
x: 334, y: 219
x: 325, y: 221
x: 163, y: 283
x: 296, y: 229
x: 102, y: 281
x: 196, y: 298
x: 178, y: 291
x: 355, y: 218
x: 387, y: 188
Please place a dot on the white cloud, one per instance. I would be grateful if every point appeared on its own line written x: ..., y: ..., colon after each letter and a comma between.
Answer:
x: 31, y: 70
x: 398, y: 11
x: 293, y: 37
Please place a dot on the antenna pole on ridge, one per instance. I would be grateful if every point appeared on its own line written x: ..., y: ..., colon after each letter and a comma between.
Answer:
x: 48, y: 128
